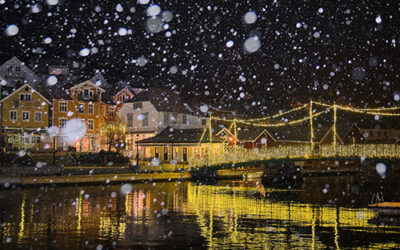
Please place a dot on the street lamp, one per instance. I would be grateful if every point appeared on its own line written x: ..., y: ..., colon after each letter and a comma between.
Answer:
x: 137, y: 151
x: 172, y: 148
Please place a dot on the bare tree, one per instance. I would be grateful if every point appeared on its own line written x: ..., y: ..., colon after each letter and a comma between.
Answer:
x: 113, y: 133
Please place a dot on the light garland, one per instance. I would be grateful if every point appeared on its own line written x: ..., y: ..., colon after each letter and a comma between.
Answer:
x: 361, y: 111
x: 261, y: 122
x: 276, y: 115
x: 282, y: 124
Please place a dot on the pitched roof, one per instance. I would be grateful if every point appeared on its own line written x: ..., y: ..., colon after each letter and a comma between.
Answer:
x: 99, y: 80
x: 108, y: 96
x: 163, y: 100
x: 58, y: 92
x: 29, y: 75
x: 40, y: 90
x: 171, y: 135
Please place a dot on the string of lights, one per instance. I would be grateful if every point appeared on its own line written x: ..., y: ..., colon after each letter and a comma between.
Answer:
x: 276, y: 115
x: 281, y: 124
x: 262, y: 122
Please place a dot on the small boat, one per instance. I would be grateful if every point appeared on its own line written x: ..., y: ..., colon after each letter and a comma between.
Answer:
x: 245, y: 174
x: 252, y: 175
x: 385, y: 208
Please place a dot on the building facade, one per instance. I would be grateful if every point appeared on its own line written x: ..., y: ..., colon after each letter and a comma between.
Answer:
x: 25, y: 117
x: 151, y: 111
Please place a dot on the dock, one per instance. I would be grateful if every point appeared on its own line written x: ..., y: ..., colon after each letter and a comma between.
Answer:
x: 91, y: 179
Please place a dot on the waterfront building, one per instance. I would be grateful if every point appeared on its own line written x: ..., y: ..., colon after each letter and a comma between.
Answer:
x: 180, y: 145
x: 151, y: 111
x: 25, y: 117
x: 384, y: 131
x: 86, y: 105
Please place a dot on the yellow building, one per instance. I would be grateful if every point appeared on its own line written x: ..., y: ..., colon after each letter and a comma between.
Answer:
x: 179, y: 145
x: 25, y: 118
x: 84, y: 102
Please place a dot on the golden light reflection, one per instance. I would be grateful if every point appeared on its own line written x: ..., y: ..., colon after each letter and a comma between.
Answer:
x: 231, y: 215
x: 22, y: 222
x: 274, y: 218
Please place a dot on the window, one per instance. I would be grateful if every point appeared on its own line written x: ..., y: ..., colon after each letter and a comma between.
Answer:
x: 62, y: 122
x: 137, y: 105
x: 165, y: 154
x: 120, y: 98
x: 90, y: 124
x: 156, y: 152
x: 13, y: 115
x: 90, y: 109
x: 166, y: 119
x: 145, y: 121
x: 184, y: 119
x: 36, y: 139
x: 25, y: 115
x: 111, y: 111
x: 81, y: 108
x: 184, y: 154
x: 129, y: 119
x: 9, y: 69
x: 203, y: 122
x: 18, y: 69
x: 174, y: 118
x: 25, y: 97
x: 63, y: 107
x: 38, y: 116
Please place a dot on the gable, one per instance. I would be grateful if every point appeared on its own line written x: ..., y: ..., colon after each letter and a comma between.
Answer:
x: 328, y: 137
x: 23, y: 72
x: 267, y: 135
x: 87, y: 84
x: 25, y: 89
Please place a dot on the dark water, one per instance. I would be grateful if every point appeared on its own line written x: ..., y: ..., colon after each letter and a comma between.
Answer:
x: 322, y: 212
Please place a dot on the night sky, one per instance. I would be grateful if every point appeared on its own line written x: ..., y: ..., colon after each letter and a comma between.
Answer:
x: 343, y: 51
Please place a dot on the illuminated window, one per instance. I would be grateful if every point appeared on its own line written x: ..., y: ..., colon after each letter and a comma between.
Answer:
x: 184, y: 119
x: 90, y: 124
x: 165, y: 154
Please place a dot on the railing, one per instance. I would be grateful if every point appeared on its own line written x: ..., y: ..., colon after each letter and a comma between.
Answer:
x: 238, y: 154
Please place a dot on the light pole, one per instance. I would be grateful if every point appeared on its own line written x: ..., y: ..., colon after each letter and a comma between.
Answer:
x: 172, y: 148
x: 137, y: 151
x: 54, y: 151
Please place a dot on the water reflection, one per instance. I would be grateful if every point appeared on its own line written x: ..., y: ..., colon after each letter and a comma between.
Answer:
x: 229, y: 214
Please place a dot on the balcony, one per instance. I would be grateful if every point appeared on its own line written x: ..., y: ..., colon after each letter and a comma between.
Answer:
x: 88, y: 97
